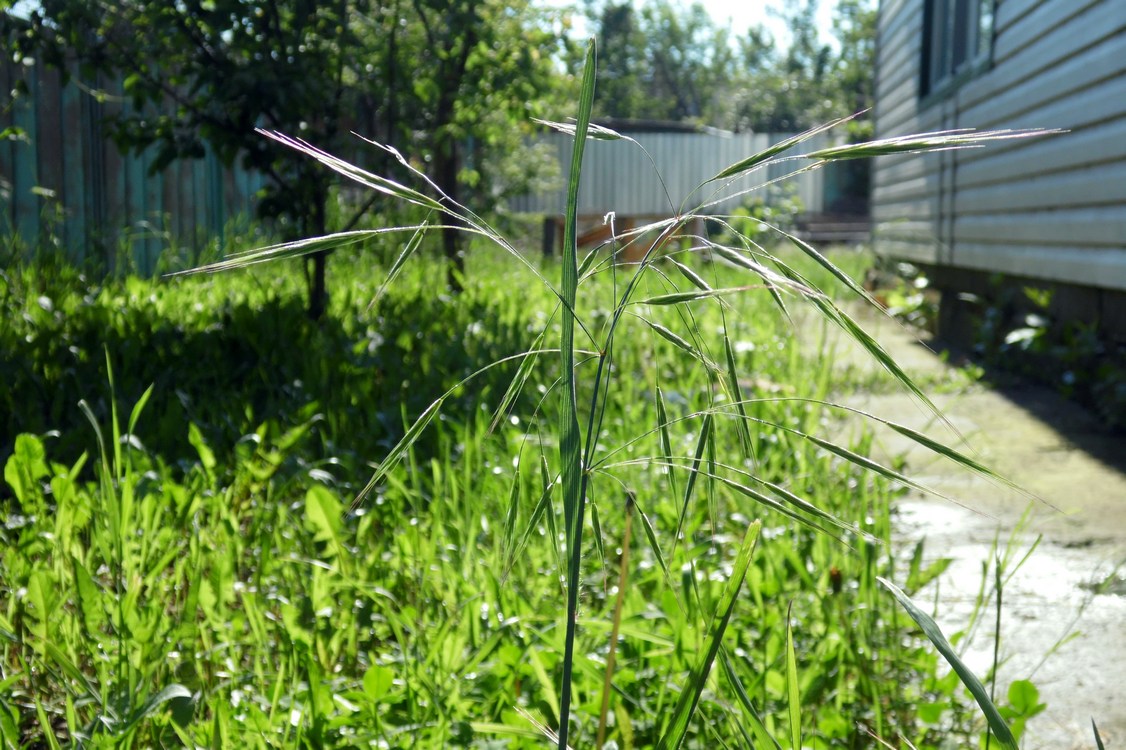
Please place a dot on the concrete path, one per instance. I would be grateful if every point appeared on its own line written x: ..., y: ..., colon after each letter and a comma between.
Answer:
x: 1064, y: 613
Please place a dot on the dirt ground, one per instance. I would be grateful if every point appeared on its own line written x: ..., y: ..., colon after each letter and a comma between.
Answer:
x: 1064, y: 610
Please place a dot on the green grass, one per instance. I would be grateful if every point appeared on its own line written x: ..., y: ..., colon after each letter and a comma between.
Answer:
x: 430, y: 615
x: 230, y: 565
x: 197, y: 573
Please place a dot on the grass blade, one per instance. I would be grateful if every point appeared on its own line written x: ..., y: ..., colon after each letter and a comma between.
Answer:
x: 666, y: 438
x: 736, y: 393
x: 570, y: 452
x: 833, y: 313
x: 746, y: 165
x: 412, y: 245
x: 793, y: 694
x: 690, y: 695
x: 516, y: 385
x: 594, y: 132
x: 693, y: 473
x: 942, y: 140
x: 651, y: 536
x: 676, y: 298
x: 396, y: 455
x: 762, y: 736
x: 930, y: 628
x: 1098, y: 738
x: 680, y: 343
x: 543, y: 506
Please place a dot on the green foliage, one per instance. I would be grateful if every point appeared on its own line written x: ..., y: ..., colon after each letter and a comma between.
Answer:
x: 233, y: 601
x: 451, y: 82
x: 291, y: 620
x: 668, y: 61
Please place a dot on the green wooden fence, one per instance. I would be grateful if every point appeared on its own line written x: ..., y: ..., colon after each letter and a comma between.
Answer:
x: 64, y: 180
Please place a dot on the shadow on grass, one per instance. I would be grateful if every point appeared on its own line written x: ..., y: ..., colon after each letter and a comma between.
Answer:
x: 229, y: 365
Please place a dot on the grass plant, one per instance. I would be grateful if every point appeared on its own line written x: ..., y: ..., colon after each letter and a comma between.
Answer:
x: 236, y: 597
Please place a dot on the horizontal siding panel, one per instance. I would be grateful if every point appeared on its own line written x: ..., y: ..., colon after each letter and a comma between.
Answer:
x: 908, y: 190
x: 1105, y: 268
x: 1058, y: 153
x: 1049, y: 101
x: 1104, y: 226
x: 909, y: 167
x: 917, y: 252
x: 895, y: 12
x: 923, y: 210
x: 906, y: 230
x: 1100, y: 185
x: 1061, y: 62
x: 903, y: 74
x: 1009, y: 12
x: 1038, y: 23
x: 618, y: 176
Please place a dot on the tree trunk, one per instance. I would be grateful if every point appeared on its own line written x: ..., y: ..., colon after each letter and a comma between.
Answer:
x: 451, y: 235
x: 318, y: 293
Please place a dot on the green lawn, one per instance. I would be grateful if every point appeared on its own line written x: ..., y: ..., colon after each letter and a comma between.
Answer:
x: 181, y: 562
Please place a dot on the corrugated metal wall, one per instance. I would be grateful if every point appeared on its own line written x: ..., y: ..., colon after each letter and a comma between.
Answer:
x: 617, y: 175
x: 69, y: 180
x: 1052, y: 208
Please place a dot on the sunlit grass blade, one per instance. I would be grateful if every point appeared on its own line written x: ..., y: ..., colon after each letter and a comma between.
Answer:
x: 749, y: 163
x: 676, y: 298
x: 698, y: 678
x: 833, y: 313
x: 596, y: 528
x: 542, y: 507
x: 785, y: 510
x: 295, y: 249
x: 511, y: 515
x: 935, y: 446
x: 666, y: 438
x: 594, y: 132
x: 959, y: 458
x: 681, y: 344
x: 930, y: 628
x: 1098, y: 737
x: 769, y: 277
x: 793, y: 693
x: 408, y: 250
x: 831, y: 267
x: 763, y: 737
x: 519, y: 380
x: 693, y: 472
x: 651, y: 537
x: 693, y: 278
x: 736, y: 393
x: 866, y: 463
x: 942, y: 140
x: 375, y: 182
x: 396, y: 454
x: 570, y: 438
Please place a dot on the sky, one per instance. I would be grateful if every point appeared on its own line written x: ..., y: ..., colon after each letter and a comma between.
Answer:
x: 742, y: 14
x: 745, y: 13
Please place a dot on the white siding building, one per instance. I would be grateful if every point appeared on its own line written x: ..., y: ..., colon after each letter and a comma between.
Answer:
x: 1049, y: 212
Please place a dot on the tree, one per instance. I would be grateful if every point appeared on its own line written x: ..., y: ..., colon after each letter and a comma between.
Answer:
x: 210, y: 71
x: 619, y: 91
x: 662, y: 63
x: 671, y: 62
x: 475, y: 72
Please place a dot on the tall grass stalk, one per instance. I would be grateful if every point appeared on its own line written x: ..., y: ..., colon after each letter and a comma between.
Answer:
x: 582, y: 459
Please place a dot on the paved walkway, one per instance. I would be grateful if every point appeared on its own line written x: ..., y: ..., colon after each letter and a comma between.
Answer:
x: 1060, y: 628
